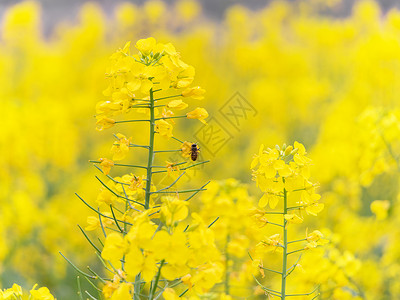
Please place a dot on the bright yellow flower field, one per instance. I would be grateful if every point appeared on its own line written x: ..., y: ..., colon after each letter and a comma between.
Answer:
x: 156, y: 151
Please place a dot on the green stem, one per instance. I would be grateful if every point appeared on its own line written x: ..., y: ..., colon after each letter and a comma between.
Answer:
x: 285, y: 246
x: 151, y: 153
x: 153, y: 290
x: 79, y: 288
x: 149, y: 169
x: 136, y: 295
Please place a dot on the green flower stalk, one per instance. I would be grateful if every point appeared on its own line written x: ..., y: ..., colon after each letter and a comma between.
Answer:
x: 284, y: 174
x: 151, y: 152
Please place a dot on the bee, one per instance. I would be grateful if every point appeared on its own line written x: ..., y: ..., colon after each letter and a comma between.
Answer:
x: 194, y: 152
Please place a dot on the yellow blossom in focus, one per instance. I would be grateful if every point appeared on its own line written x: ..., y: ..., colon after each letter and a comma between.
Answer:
x: 177, y: 104
x: 184, y: 78
x: 140, y: 79
x: 199, y: 113
x: 146, y: 45
x: 109, y: 108
x: 173, y: 249
x: 171, y: 167
x: 114, y: 247
x: 164, y: 128
x: 194, y: 92
x: 123, y: 292
x: 106, y: 165
x: 122, y: 52
x: 167, y: 114
x: 259, y: 217
x: 138, y: 262
x: 173, y: 210
x: 136, y: 183
x: 42, y: 293
x: 315, y: 239
x: 170, y: 294
x: 106, y: 197
x: 257, y: 264
x: 186, y: 149
x: 120, y: 148
x: 293, y: 218
x: 272, y: 243
x: 12, y: 293
x: 104, y: 123
x: 272, y: 189
x: 110, y: 287
x: 206, y: 276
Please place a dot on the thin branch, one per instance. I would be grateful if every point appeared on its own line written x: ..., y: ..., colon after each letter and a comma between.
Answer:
x: 115, y: 219
x: 104, y: 263
x: 77, y: 269
x: 101, y: 214
x: 291, y: 269
x: 270, y: 270
x: 92, y: 284
x: 295, y: 207
x: 167, y: 118
x: 90, y: 295
x: 79, y: 287
x: 119, y: 165
x: 168, y: 97
x: 296, y: 241
x: 91, y: 243
x: 173, y: 164
x: 305, y: 294
x: 95, y: 274
x: 271, y: 291
x: 195, y: 193
x: 176, y: 180
x: 177, y: 139
x: 268, y: 222
x: 181, y: 191
x: 153, y: 290
x: 119, y: 196
x: 183, y: 293
x: 185, y: 168
x: 212, y: 223
x: 160, y: 151
x: 296, y: 251
x: 101, y: 224
x: 130, y: 121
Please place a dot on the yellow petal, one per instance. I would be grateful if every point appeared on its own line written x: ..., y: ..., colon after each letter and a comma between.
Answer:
x: 263, y: 201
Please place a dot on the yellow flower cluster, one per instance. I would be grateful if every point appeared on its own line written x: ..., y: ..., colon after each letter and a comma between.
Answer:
x: 179, y: 251
x: 156, y: 67
x: 286, y: 172
x: 15, y: 292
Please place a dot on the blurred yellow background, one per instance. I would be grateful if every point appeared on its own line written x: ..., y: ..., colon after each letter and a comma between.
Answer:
x: 284, y: 72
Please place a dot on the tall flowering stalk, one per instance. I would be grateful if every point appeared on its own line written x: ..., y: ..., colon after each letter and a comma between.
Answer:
x: 283, y: 175
x: 150, y: 246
